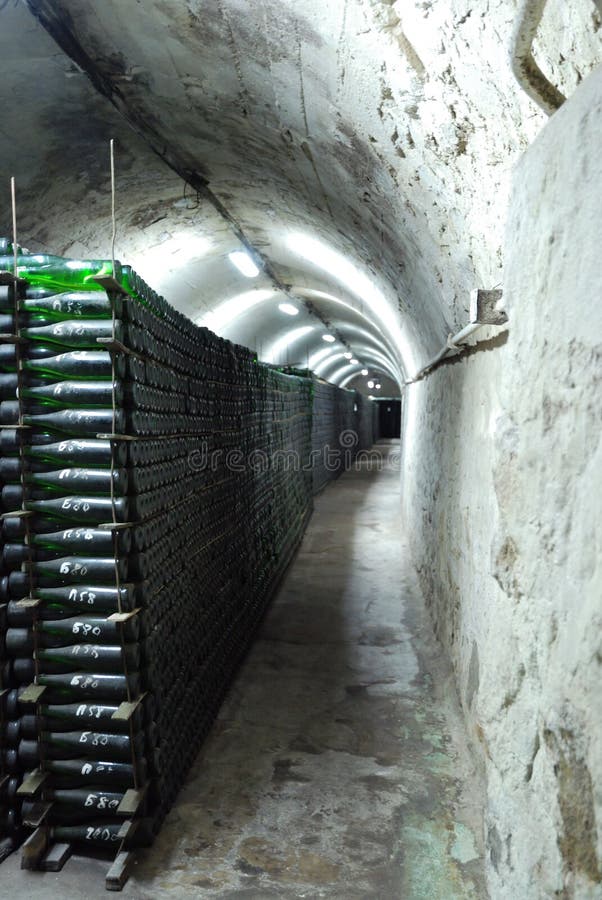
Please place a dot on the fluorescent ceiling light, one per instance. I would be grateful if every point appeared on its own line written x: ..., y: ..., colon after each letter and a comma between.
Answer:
x: 370, y: 384
x: 229, y: 310
x: 354, y: 362
x: 284, y: 343
x: 244, y: 263
x: 347, y: 355
x: 329, y: 338
x: 288, y: 308
x: 364, y: 372
x: 377, y: 386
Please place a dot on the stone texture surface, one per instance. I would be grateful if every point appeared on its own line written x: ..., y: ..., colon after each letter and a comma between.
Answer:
x: 502, y: 499
x: 338, y: 766
x: 386, y: 131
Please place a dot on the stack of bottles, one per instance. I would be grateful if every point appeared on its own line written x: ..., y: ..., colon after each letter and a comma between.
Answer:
x: 334, y: 432
x: 150, y: 507
x: 365, y: 421
x: 155, y: 482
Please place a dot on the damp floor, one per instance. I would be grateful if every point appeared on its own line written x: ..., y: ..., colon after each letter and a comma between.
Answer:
x: 338, y: 766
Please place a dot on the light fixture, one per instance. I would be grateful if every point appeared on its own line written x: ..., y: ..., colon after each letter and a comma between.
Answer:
x: 364, y: 372
x: 243, y: 263
x: 377, y: 386
x: 347, y: 355
x: 288, y: 308
x: 329, y: 338
x: 354, y: 362
x: 370, y: 384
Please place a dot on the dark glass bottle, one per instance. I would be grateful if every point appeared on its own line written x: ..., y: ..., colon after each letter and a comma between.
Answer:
x: 71, y: 599
x: 40, y: 485
x: 73, y: 744
x: 74, y: 716
x: 72, y: 451
x: 97, y: 833
x: 97, y: 541
x: 62, y: 632
x: 78, y: 772
x: 89, y: 657
x: 76, y: 570
x: 91, y: 801
x: 88, y: 685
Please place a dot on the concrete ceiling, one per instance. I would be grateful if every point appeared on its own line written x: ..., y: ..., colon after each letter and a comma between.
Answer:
x: 362, y: 148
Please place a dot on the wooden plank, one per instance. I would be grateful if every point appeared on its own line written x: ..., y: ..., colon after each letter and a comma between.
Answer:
x: 7, y: 277
x: 110, y: 284
x: 29, y: 602
x: 32, y: 783
x: 119, y: 872
x: 131, y: 801
x: 126, y: 709
x: 36, y: 816
x: 34, y: 848
x: 55, y: 858
x: 32, y: 693
x: 120, y: 617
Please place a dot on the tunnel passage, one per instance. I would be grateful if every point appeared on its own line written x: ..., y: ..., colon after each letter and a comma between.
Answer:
x: 361, y: 156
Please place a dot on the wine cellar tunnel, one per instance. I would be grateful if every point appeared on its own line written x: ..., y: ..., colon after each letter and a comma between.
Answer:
x: 342, y: 433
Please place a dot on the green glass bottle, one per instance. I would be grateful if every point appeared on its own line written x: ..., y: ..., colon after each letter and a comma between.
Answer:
x: 79, y: 364
x: 71, y: 305
x: 76, y: 333
x: 59, y: 274
x: 76, y: 570
x: 92, y: 452
x: 101, y: 542
x: 87, y: 394
x: 92, y: 481
x: 79, y: 422
x: 83, y: 510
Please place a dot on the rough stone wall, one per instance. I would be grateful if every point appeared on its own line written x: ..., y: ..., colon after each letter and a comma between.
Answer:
x: 503, y: 462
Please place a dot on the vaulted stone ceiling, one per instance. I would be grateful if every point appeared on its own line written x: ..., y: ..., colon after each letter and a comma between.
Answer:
x: 363, y: 148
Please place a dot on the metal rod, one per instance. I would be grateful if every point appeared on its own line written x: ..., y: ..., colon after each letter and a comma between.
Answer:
x: 525, y: 69
x: 113, y: 222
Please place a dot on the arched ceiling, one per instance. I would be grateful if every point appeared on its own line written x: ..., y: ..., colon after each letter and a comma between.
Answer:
x: 360, y: 149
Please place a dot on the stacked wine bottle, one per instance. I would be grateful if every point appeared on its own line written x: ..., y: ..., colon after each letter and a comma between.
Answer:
x: 156, y: 481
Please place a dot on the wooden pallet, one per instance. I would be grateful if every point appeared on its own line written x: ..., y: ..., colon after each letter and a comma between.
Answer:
x: 39, y: 852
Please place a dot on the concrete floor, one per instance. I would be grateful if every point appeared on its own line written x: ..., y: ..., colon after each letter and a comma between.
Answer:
x: 338, y: 767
